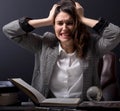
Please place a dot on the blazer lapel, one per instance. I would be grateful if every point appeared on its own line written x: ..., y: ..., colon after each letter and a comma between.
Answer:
x: 51, y: 60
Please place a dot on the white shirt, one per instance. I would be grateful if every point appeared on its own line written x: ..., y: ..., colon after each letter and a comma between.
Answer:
x: 67, y: 78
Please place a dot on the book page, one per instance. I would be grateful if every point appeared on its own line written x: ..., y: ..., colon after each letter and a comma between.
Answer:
x: 34, y: 95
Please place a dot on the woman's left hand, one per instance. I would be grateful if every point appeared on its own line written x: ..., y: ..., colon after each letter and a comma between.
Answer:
x: 80, y: 10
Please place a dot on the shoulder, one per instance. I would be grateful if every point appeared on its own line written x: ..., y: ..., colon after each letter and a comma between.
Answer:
x: 49, y: 34
x: 94, y: 38
x: 49, y: 38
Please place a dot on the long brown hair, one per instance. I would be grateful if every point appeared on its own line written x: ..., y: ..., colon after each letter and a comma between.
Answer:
x: 81, y: 35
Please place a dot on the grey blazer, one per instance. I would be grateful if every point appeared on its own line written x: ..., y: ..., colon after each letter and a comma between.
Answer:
x: 45, y: 48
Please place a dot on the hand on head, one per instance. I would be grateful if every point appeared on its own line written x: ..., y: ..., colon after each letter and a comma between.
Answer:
x: 79, y: 9
x: 52, y: 11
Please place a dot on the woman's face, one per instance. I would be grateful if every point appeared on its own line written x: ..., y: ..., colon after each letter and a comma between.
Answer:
x: 63, y: 27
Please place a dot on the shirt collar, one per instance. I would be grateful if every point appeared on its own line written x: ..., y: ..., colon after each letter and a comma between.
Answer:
x: 62, y: 50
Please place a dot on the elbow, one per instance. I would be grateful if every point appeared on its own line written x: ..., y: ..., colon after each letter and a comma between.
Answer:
x: 4, y: 29
x: 116, y: 30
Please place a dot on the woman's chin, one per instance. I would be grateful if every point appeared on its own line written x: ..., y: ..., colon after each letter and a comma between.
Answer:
x: 65, y: 40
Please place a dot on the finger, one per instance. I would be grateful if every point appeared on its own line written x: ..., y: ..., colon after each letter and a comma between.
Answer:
x: 78, y: 5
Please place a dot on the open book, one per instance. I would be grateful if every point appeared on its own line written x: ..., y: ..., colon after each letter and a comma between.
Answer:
x: 39, y: 99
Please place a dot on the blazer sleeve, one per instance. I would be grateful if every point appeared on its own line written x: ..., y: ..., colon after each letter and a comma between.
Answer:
x: 109, y: 38
x: 28, y: 40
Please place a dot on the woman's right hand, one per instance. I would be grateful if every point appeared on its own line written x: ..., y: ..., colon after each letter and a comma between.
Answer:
x: 36, y: 23
x: 51, y: 14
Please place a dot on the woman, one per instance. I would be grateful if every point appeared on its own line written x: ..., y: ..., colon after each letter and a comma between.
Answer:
x: 65, y: 62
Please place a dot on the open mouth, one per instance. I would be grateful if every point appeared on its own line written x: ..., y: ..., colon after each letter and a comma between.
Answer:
x: 65, y: 35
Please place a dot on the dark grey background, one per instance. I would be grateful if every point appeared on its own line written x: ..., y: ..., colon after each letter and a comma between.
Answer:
x: 17, y: 62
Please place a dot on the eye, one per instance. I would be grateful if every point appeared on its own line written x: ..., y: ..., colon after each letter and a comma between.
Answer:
x: 69, y: 23
x: 60, y: 23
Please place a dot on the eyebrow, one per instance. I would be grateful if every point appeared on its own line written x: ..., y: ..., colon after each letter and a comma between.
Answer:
x: 70, y: 20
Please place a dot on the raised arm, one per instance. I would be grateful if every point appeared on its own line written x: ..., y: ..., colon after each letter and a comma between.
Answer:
x: 109, y: 33
x: 36, y: 23
x: 87, y: 21
x: 97, y: 25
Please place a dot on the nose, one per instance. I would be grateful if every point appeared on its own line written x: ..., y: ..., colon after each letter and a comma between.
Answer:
x: 64, y: 26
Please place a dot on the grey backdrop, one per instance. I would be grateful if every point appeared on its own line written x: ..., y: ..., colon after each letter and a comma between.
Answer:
x: 17, y: 62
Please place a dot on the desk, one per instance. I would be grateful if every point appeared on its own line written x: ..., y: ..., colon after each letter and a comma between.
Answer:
x: 89, y: 106
x: 100, y: 106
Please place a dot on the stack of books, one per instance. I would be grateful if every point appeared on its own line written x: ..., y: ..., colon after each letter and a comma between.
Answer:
x: 8, y: 93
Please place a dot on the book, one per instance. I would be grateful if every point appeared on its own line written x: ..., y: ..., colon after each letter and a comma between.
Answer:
x: 39, y: 99
x: 7, y: 87
x: 8, y: 93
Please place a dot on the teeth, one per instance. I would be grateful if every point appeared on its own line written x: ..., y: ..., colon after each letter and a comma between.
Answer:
x: 65, y: 34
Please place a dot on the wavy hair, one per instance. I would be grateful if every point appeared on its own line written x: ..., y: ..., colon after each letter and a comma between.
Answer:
x: 81, y: 36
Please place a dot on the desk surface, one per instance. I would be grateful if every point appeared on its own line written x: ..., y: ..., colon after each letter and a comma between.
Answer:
x: 90, y: 106
x: 102, y: 105
x: 105, y: 104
